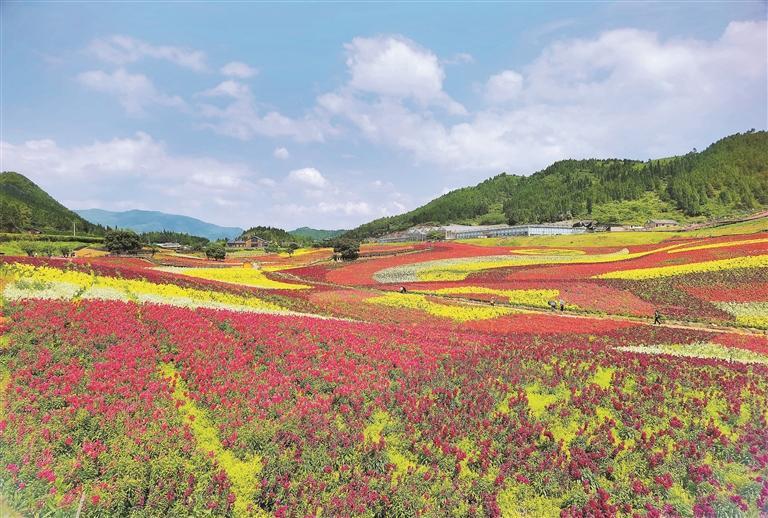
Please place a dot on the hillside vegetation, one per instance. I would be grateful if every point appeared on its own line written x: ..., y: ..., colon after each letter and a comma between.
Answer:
x: 729, y: 177
x: 316, y: 234
x: 24, y: 206
x: 271, y: 234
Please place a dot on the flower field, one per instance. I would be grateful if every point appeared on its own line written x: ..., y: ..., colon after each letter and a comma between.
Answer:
x: 318, y: 389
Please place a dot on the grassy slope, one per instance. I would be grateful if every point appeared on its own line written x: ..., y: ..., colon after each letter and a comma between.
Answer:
x: 46, y: 212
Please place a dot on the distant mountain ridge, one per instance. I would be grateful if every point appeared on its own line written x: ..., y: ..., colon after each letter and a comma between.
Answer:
x: 24, y: 206
x: 728, y: 178
x: 151, y: 221
x: 316, y: 234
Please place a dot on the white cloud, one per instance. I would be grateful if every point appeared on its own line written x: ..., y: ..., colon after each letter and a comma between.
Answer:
x: 281, y: 153
x: 308, y: 176
x: 242, y: 118
x: 122, y: 50
x: 623, y: 93
x: 504, y: 86
x: 238, y: 70
x: 134, y: 91
x: 141, y: 172
x: 394, y: 66
x: 138, y: 166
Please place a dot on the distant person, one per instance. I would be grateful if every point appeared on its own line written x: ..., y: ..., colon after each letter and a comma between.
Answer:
x: 552, y: 304
x: 403, y: 290
x: 656, y: 317
x: 562, y: 305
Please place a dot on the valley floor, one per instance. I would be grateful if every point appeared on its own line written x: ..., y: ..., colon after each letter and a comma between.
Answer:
x: 432, y: 379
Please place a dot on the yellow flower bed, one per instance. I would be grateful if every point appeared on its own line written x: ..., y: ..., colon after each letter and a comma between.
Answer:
x: 719, y: 245
x: 237, y: 275
x: 699, y: 350
x: 459, y: 269
x: 522, y: 297
x: 751, y: 314
x: 752, y: 261
x: 34, y: 281
x: 548, y: 251
x: 242, y: 473
x: 459, y: 313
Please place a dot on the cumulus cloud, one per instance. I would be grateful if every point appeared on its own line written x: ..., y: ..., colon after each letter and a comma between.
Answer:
x: 281, y: 153
x: 121, y: 50
x: 308, y: 176
x: 242, y: 117
x: 134, y: 91
x: 140, y: 171
x: 238, y: 70
x: 139, y: 165
x: 624, y: 92
x: 394, y: 66
x: 503, y: 87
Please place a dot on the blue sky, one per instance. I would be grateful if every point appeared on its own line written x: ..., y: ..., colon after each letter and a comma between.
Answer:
x: 329, y: 115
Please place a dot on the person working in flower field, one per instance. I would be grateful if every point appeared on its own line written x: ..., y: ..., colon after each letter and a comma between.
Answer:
x: 656, y: 317
x: 552, y: 304
x: 562, y: 305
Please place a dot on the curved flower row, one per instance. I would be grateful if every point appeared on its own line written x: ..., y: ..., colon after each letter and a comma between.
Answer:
x: 237, y: 275
x: 532, y: 297
x: 43, y: 282
x: 753, y: 261
x: 459, y: 312
x: 723, y: 244
x: 459, y: 268
x: 752, y: 314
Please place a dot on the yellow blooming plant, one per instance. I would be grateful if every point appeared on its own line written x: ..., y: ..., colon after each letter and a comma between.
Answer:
x: 243, y: 474
x: 460, y: 313
x: 750, y: 314
x: 719, y: 245
x: 751, y: 261
x: 45, y: 282
x: 700, y: 350
x: 536, y: 298
x: 237, y: 275
x: 458, y: 269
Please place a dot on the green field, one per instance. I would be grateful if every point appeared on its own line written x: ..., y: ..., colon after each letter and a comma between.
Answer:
x: 14, y: 248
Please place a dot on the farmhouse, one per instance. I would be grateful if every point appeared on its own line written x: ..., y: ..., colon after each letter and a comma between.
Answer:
x: 660, y: 223
x: 170, y: 246
x: 249, y: 242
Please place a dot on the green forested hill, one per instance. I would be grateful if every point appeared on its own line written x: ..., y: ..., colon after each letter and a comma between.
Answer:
x: 25, y: 206
x: 729, y: 177
x: 271, y: 234
x: 316, y: 234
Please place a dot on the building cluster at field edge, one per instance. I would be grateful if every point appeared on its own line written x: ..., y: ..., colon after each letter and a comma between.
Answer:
x: 427, y: 232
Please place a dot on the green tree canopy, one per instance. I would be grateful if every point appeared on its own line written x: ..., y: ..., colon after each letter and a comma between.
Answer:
x: 122, y: 242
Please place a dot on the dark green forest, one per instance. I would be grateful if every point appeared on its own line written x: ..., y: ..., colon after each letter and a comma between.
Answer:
x: 727, y: 178
x: 274, y: 235
x: 26, y: 207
